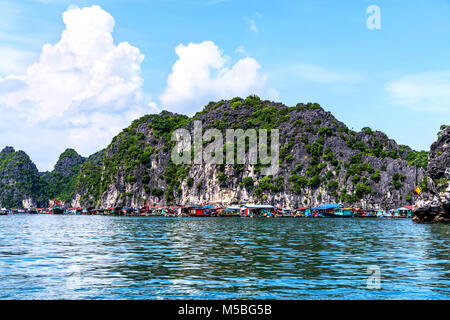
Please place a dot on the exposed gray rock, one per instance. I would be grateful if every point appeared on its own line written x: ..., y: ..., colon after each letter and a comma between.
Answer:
x: 434, y: 205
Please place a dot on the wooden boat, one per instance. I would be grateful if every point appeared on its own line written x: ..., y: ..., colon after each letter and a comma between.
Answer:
x: 32, y: 210
x: 340, y: 213
x: 56, y: 210
x: 332, y: 211
x: 361, y: 213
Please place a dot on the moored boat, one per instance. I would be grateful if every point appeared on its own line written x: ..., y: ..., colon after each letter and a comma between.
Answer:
x: 362, y: 213
x: 332, y: 211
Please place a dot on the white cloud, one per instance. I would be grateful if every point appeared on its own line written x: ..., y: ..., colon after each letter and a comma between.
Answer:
x: 428, y: 91
x: 200, y: 75
x: 318, y: 74
x: 84, y: 89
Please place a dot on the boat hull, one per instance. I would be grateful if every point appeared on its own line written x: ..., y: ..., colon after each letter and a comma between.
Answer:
x: 334, y: 215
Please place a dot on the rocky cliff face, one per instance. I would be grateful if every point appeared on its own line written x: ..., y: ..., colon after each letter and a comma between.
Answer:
x: 59, y: 183
x: 321, y: 160
x: 19, y: 179
x: 21, y: 185
x: 67, y: 161
x: 87, y: 185
x: 434, y: 204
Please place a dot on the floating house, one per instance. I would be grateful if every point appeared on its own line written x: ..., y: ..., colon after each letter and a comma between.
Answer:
x: 210, y: 211
x: 342, y: 212
x: 302, y: 212
x: 380, y: 213
x: 403, y: 212
x: 197, y: 211
x: 331, y: 210
x: 232, y: 211
x: 180, y: 211
x: 283, y: 212
x: 256, y: 210
x: 113, y: 211
x: 158, y: 211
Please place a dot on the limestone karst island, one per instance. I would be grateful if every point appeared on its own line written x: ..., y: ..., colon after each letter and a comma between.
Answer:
x: 325, y: 170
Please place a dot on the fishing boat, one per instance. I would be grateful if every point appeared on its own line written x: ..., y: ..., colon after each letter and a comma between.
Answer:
x: 3, y: 212
x: 361, y: 213
x: 56, y: 206
x: 56, y: 210
x: 332, y: 211
x: 32, y: 210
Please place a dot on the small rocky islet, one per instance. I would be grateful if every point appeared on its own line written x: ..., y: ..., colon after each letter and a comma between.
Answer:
x: 321, y: 161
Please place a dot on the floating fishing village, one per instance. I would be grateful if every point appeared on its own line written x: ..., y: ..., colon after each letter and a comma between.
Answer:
x: 57, y: 207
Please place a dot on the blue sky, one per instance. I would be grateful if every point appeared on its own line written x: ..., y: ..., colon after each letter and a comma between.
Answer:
x: 396, y: 79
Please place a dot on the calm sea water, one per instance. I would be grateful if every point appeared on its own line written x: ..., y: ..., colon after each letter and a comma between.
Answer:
x: 96, y: 257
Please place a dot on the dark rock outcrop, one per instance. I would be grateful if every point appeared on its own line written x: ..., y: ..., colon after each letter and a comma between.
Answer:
x: 433, y: 205
x: 19, y: 179
x: 67, y: 161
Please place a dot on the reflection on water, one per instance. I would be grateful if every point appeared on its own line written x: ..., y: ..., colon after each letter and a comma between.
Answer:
x: 95, y: 257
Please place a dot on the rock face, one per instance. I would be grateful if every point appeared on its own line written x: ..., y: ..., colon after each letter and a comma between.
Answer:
x: 19, y: 179
x: 21, y: 185
x: 321, y: 161
x: 434, y: 204
x: 59, y: 183
x: 67, y: 161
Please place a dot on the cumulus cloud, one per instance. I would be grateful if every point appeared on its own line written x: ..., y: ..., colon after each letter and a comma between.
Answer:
x: 200, y: 74
x: 428, y: 91
x: 85, y: 87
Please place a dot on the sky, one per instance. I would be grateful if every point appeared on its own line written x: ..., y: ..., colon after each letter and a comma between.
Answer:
x: 73, y: 74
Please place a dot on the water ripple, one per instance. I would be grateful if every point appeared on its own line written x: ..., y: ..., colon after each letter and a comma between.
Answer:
x: 95, y: 257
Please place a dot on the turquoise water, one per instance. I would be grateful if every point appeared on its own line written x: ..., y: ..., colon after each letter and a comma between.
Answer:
x: 97, y: 257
